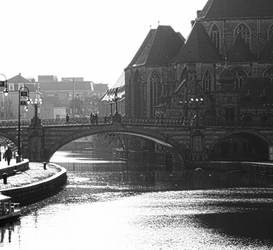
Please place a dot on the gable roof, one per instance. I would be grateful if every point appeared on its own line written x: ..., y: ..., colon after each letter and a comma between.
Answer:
x: 224, y: 9
x: 18, y: 79
x: 158, y: 48
x: 240, y: 51
x: 198, y: 48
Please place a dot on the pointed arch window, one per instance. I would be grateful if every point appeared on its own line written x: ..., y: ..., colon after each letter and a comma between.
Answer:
x: 215, y: 36
x: 270, y: 32
x: 207, y: 82
x: 156, y: 88
x: 239, y: 77
x: 269, y: 73
x: 243, y: 32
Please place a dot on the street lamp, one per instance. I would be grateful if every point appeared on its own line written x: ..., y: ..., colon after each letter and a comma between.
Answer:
x: 35, y: 102
x: 4, y: 84
x: 23, y: 100
x: 115, y: 99
x: 197, y: 101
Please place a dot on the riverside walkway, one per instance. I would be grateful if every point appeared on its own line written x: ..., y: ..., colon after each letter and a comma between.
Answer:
x: 34, y: 174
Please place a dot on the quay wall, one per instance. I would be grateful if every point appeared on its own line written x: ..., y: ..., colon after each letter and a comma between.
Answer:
x: 245, y: 166
x: 37, y: 191
x: 15, y: 168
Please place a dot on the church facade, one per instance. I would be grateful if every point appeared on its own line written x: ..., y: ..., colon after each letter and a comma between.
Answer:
x: 222, y: 73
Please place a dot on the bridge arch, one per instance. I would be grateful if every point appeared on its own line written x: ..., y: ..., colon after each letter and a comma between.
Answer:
x: 160, y: 138
x: 240, y: 145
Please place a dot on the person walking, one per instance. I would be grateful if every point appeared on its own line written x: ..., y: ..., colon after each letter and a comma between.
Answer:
x: 67, y: 118
x: 8, y: 155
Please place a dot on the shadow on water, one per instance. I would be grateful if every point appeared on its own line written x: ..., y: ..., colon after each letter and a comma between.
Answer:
x: 248, y: 227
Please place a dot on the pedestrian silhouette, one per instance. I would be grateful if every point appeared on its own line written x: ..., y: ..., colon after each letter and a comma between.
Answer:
x: 67, y: 118
x: 8, y: 155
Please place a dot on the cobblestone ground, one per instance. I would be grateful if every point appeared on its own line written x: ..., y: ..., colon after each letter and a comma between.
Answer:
x: 35, y: 173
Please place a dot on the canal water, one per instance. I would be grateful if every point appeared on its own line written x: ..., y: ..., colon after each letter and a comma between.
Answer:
x: 110, y: 204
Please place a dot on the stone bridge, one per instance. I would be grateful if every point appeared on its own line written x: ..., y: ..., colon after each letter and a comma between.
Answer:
x: 41, y: 140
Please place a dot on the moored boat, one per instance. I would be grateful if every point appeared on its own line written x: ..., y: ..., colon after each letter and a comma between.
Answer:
x: 9, y: 211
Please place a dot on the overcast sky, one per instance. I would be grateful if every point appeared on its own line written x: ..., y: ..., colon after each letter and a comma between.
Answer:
x: 95, y: 39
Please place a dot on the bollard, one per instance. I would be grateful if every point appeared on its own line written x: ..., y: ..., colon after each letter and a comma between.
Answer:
x: 18, y: 158
x: 5, y: 178
x: 44, y: 165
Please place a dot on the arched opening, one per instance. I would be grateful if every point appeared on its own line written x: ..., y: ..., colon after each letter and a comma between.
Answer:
x: 242, y: 32
x: 268, y: 73
x: 270, y: 32
x: 148, y: 148
x: 240, y: 147
x: 215, y: 36
x: 207, y: 88
x: 239, y: 78
x: 156, y: 90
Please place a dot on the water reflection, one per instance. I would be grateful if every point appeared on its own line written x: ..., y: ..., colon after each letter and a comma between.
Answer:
x: 7, y: 230
x: 108, y: 204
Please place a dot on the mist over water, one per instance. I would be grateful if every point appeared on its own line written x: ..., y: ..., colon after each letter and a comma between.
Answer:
x: 110, y: 204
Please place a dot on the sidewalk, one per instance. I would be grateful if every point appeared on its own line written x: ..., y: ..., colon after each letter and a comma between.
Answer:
x: 35, y: 173
x: 4, y: 163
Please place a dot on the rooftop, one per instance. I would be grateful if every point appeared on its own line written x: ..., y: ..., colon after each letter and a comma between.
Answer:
x: 198, y: 48
x: 158, y: 48
x: 225, y: 9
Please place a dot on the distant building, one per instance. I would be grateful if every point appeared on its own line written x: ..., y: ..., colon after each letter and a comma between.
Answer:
x: 9, y: 104
x: 223, y: 71
x: 71, y: 95
x: 47, y: 78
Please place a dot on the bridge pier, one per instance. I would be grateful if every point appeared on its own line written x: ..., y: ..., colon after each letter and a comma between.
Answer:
x: 33, y: 147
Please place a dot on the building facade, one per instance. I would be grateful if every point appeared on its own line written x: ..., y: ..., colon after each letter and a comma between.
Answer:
x: 223, y: 72
x: 9, y: 103
x: 71, y: 95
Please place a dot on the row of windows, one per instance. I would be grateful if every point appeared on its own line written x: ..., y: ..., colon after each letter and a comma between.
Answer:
x: 207, y: 80
x: 239, y: 76
x: 241, y: 31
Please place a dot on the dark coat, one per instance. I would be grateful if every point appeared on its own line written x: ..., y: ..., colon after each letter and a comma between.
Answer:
x: 7, y: 154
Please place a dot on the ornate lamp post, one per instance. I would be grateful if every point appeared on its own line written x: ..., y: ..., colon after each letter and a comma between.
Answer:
x: 116, y: 98
x: 197, y: 101
x: 4, y: 83
x: 23, y: 100
x: 36, y: 102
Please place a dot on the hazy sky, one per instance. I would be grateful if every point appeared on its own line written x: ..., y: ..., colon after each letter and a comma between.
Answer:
x: 95, y: 39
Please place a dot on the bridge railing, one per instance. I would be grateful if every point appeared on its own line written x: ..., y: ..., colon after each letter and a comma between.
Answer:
x: 162, y: 122
x: 154, y: 122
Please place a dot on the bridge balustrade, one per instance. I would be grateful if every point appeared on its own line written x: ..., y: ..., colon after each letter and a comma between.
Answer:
x: 161, y: 122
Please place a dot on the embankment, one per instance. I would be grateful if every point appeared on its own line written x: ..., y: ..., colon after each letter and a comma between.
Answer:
x: 39, y: 190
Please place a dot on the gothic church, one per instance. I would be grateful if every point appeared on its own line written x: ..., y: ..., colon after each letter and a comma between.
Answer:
x: 222, y: 73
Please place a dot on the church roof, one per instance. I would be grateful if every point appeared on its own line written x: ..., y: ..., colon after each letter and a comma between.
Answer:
x: 240, y: 51
x: 158, y: 48
x: 198, y: 48
x: 267, y: 52
x: 223, y: 9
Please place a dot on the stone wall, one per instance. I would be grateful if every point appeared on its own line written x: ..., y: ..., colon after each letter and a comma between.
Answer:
x: 12, y: 170
x: 37, y: 191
